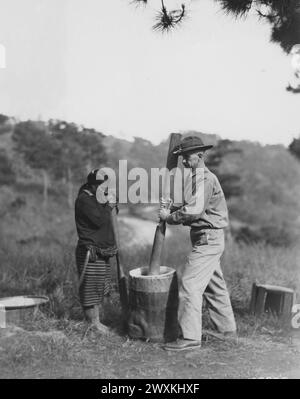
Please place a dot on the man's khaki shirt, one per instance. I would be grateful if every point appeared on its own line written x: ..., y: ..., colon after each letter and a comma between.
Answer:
x: 204, y: 206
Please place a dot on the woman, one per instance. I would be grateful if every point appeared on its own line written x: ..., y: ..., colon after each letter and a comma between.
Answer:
x: 96, y: 243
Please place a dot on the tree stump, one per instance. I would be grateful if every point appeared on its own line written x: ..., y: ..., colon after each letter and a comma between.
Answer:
x: 271, y: 299
x: 153, y: 305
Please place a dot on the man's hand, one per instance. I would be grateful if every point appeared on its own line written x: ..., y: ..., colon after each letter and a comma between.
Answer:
x: 163, y: 213
x: 165, y: 203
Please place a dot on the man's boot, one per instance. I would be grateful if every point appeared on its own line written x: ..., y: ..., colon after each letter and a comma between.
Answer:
x: 92, y: 317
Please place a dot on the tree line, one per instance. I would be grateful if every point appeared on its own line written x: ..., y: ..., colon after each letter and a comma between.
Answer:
x: 59, y: 152
x: 56, y: 150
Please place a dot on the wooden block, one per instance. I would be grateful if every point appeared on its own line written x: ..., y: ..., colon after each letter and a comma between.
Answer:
x: 288, y: 302
x: 253, y: 298
x: 260, y: 301
x: 271, y: 298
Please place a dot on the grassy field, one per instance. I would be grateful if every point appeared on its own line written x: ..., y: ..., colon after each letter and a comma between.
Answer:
x: 54, y: 343
x: 51, y: 270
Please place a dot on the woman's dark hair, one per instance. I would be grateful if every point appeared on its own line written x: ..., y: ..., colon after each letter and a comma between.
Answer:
x: 92, y: 177
x: 92, y: 180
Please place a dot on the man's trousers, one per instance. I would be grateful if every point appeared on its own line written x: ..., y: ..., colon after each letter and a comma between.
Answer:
x: 202, y: 276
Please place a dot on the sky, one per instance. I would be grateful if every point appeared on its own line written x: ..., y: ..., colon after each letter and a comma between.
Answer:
x: 99, y: 63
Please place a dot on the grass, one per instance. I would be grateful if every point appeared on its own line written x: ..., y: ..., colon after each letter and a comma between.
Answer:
x: 53, y: 344
x: 42, y: 272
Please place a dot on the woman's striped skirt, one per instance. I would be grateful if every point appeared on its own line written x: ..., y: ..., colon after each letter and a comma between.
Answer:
x: 95, y: 283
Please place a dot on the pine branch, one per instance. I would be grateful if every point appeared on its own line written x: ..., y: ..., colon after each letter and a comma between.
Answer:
x: 167, y: 20
x: 282, y: 15
x: 238, y: 8
x: 294, y: 90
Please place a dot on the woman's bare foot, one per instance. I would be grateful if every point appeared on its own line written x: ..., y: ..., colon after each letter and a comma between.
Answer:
x: 101, y: 328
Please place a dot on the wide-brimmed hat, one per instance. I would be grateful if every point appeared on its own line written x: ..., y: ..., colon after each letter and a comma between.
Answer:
x: 191, y: 143
x: 96, y: 176
x: 295, y: 49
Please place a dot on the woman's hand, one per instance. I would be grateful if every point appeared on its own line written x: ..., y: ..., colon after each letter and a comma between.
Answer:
x: 163, y: 213
x: 112, y: 200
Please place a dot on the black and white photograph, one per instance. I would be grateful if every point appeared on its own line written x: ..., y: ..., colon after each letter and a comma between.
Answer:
x: 149, y: 192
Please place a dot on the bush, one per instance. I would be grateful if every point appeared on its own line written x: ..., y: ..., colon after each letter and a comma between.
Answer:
x: 269, y: 235
x: 7, y: 174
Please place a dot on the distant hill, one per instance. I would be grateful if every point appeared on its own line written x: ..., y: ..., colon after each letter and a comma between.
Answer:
x: 268, y: 178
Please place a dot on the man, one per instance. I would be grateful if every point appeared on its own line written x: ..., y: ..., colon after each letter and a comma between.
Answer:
x: 205, y: 211
x: 96, y: 243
